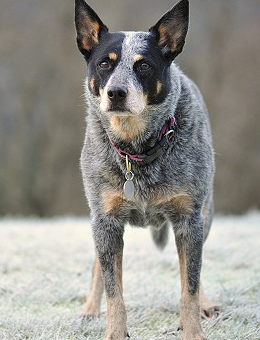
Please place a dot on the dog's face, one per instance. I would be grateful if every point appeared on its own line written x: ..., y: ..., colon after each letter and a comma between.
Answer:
x: 128, y: 71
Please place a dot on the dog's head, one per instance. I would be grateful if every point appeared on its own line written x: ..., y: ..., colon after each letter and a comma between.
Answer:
x: 128, y: 71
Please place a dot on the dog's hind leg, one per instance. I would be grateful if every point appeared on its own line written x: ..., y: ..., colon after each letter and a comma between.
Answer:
x: 92, y: 306
x: 207, y: 307
x: 189, y: 241
x: 108, y: 235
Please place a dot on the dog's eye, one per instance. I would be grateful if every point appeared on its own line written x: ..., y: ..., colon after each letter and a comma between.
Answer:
x: 144, y: 66
x: 104, y: 65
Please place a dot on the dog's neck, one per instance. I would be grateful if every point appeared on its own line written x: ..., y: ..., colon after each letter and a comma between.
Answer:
x: 159, y: 148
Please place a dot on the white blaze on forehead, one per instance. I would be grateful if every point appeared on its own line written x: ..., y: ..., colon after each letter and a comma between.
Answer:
x: 128, y: 38
x: 133, y: 44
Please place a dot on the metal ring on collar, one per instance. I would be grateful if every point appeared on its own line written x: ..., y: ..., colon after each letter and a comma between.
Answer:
x: 129, y: 176
x: 170, y: 132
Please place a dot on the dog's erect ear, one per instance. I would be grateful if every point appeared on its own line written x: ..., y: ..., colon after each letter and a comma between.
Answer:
x: 89, y: 27
x: 172, y: 28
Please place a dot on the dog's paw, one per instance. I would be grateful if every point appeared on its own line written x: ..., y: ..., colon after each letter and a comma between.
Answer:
x: 207, y: 308
x: 193, y: 336
x: 87, y: 318
x: 210, y: 310
x: 90, y: 311
x: 118, y: 335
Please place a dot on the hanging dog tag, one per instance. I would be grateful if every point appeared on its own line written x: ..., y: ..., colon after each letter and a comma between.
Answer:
x: 129, y: 188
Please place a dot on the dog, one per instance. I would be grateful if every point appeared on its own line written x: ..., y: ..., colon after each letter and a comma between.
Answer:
x: 147, y: 158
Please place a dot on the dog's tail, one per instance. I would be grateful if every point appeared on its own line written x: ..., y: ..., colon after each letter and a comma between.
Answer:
x: 160, y: 236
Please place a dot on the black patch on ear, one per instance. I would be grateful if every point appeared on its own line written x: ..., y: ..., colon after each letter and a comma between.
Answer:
x: 89, y: 27
x: 171, y: 30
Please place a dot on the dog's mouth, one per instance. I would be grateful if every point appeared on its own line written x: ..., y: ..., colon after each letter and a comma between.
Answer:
x: 120, y: 110
x: 117, y: 107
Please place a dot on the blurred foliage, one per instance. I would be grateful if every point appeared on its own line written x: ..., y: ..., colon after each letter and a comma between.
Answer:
x: 42, y: 108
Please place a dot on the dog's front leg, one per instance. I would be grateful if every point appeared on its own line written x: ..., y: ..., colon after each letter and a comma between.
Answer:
x: 108, y: 236
x: 189, y: 241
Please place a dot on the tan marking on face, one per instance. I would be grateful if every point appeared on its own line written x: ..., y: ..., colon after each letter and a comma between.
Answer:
x: 138, y: 57
x: 92, y: 306
x: 113, y: 56
x: 92, y: 84
x: 127, y: 127
x: 159, y: 86
x: 112, y: 201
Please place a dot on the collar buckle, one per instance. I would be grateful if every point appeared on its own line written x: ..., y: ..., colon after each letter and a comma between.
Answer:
x: 158, y: 150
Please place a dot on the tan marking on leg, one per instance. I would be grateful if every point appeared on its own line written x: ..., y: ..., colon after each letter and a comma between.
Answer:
x: 159, y: 86
x: 112, y: 201
x: 190, y: 310
x: 182, y: 260
x: 207, y: 307
x: 179, y: 200
x: 92, y: 306
x: 183, y: 204
x: 113, y: 56
x: 127, y: 127
x: 164, y: 195
x: 92, y: 84
x: 116, y: 314
x: 138, y: 57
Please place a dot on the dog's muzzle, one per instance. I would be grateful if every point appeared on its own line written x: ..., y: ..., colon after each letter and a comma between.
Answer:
x: 117, y: 96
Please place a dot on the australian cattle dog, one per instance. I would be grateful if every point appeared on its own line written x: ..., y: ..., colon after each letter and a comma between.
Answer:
x: 147, y: 158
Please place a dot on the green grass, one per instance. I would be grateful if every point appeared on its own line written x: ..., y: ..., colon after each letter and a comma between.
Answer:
x: 45, y: 268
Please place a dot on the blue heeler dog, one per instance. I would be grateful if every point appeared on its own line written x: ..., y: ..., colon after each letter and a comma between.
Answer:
x: 147, y: 159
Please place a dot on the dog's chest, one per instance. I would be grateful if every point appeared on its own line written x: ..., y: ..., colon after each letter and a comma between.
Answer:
x: 151, y: 204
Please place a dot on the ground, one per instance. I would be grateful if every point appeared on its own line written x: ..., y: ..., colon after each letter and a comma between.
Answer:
x: 45, y: 268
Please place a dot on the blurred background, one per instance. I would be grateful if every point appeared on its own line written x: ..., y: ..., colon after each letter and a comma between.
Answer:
x: 42, y: 109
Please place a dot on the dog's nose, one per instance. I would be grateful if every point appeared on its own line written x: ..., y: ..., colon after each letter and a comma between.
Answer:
x: 117, y: 94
